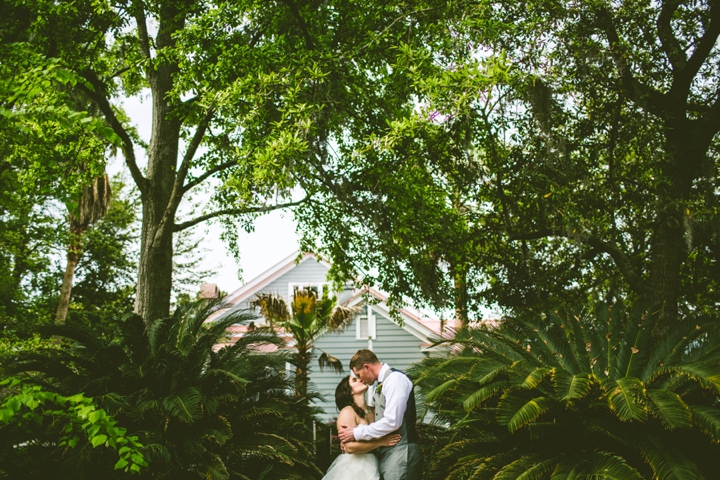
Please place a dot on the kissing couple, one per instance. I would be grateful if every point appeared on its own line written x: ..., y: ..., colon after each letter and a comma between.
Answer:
x: 379, y: 442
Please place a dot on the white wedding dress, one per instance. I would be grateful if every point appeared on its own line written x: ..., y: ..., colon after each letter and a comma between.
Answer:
x: 359, y: 466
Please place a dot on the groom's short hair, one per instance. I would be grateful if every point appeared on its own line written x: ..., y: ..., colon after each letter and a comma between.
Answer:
x: 362, y: 357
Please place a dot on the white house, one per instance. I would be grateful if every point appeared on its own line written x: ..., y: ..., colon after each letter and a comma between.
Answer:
x: 398, y: 344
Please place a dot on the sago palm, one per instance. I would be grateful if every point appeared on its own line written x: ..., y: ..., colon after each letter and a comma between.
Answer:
x: 579, y: 396
x: 306, y: 318
x: 201, y: 411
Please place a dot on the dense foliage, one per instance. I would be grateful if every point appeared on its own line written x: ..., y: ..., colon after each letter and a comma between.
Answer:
x: 553, y: 152
x: 32, y: 418
x: 573, y: 395
x: 199, y: 410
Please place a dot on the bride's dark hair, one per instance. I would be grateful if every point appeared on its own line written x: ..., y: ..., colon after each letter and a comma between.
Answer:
x: 344, y: 397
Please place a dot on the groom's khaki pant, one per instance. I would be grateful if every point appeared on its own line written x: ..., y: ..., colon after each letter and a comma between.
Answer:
x: 401, y: 462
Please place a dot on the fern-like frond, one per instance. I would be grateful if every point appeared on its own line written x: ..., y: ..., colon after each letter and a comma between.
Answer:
x: 515, y: 469
x: 437, y: 391
x: 667, y: 463
x: 667, y: 406
x: 325, y: 360
x: 515, y: 412
x: 483, y: 393
x: 536, y: 376
x: 626, y: 398
x: 707, y: 419
x: 572, y: 387
x: 609, y: 466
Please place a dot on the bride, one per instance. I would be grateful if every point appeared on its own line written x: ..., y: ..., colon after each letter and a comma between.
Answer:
x: 360, y: 464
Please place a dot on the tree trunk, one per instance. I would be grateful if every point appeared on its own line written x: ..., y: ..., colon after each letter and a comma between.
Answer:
x: 461, y: 295
x: 73, y: 256
x: 155, y: 268
x: 302, y: 371
x: 685, y: 151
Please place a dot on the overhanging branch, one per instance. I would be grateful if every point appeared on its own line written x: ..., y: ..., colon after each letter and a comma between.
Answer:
x: 642, y: 95
x: 97, y: 94
x: 234, y: 211
x: 178, y: 186
x: 209, y: 173
x: 670, y: 44
x: 621, y: 260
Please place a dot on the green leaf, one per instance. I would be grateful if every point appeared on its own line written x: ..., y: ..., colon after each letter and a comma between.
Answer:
x: 535, y: 377
x: 122, y: 463
x: 93, y: 417
x: 98, y: 440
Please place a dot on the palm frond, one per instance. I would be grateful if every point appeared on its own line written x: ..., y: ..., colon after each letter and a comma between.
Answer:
x: 272, y: 307
x: 666, y: 462
x: 536, y: 376
x: 340, y: 317
x: 436, y: 392
x: 516, y: 468
x: 515, y: 412
x: 609, y: 466
x: 625, y: 396
x: 326, y: 360
x: 672, y: 411
x: 707, y: 419
x: 540, y: 470
x: 483, y: 393
x: 705, y: 374
x: 572, y: 387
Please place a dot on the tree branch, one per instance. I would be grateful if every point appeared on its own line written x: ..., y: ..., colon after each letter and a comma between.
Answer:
x: 97, y: 94
x: 670, y: 44
x: 301, y: 23
x: 234, y: 211
x: 619, y: 257
x: 143, y: 36
x: 178, y: 186
x: 701, y: 52
x: 642, y: 95
x: 208, y: 174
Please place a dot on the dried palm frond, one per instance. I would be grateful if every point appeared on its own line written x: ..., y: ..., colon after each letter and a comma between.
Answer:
x: 272, y: 307
x: 341, y: 317
x: 327, y: 360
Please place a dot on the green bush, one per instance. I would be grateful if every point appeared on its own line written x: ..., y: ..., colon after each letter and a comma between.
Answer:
x: 578, y: 396
x: 199, y: 410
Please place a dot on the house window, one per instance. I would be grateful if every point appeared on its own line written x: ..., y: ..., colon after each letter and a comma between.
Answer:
x: 365, y: 329
x: 316, y: 288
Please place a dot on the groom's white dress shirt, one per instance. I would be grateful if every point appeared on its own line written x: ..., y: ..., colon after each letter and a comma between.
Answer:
x: 396, y: 387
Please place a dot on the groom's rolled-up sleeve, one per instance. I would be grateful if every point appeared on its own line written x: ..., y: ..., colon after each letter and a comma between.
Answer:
x: 396, y: 388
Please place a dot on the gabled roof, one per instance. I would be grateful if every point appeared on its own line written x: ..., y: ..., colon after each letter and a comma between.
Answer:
x: 423, y: 326
x: 270, y: 275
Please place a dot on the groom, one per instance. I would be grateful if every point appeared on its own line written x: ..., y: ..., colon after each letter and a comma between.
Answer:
x: 394, y: 412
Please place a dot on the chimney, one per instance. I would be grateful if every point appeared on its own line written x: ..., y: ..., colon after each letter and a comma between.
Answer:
x: 209, y: 291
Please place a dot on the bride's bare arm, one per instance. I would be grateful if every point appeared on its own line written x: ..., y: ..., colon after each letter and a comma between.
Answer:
x: 347, y: 417
x: 370, y: 445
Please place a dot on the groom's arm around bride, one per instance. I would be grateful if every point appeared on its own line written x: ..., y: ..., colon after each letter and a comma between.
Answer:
x: 394, y: 412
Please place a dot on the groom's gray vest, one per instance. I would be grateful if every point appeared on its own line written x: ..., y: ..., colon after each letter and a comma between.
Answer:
x: 404, y: 460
